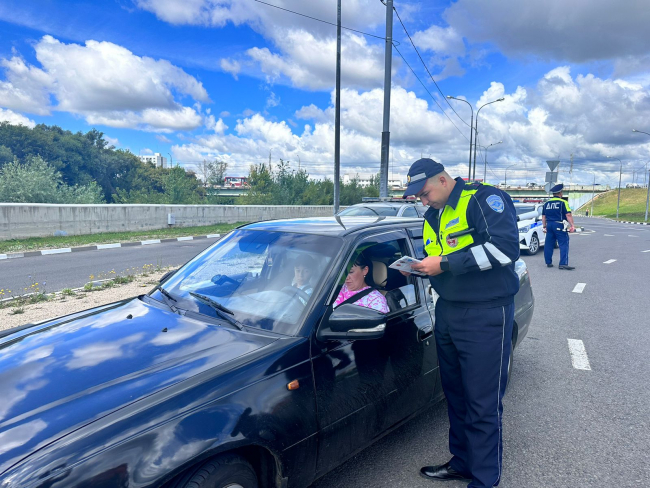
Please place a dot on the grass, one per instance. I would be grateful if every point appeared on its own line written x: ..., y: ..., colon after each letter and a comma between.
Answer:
x: 38, y: 243
x: 632, y: 206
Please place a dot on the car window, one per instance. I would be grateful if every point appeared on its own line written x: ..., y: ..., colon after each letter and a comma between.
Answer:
x: 369, y: 211
x: 266, y: 279
x: 410, y: 212
x: 394, y: 291
x: 524, y: 209
x: 421, y: 210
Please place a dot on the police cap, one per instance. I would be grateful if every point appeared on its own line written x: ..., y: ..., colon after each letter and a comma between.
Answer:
x: 418, y: 174
x: 557, y: 188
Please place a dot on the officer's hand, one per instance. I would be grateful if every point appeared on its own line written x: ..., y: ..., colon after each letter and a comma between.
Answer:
x: 572, y: 229
x: 429, y: 266
x: 544, y: 230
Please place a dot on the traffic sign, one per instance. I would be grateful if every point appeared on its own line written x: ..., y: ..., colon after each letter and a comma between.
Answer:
x: 547, y: 187
x: 552, y: 165
x: 551, y: 177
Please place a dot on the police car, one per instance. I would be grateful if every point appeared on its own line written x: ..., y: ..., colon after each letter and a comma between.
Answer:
x: 529, y: 221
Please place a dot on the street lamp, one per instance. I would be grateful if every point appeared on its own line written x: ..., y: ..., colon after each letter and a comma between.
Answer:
x: 485, y: 164
x: 471, y: 124
x: 476, y: 127
x: 506, y: 176
x: 647, y: 198
x: 620, y: 172
x: 171, y: 160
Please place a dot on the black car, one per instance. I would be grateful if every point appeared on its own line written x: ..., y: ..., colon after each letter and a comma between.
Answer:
x: 227, y: 374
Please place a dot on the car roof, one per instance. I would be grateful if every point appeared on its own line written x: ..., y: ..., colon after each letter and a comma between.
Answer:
x: 330, y: 226
x: 382, y: 204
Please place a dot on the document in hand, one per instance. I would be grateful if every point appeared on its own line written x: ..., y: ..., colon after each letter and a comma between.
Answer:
x: 404, y: 264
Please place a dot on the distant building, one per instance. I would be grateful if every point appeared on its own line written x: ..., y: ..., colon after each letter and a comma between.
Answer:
x: 235, y: 181
x: 156, y: 159
x: 365, y: 179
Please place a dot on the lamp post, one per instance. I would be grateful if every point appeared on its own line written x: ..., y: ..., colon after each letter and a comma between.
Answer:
x: 593, y: 191
x: 471, y: 131
x: 620, y: 172
x: 647, y: 198
x: 476, y: 127
x: 171, y: 159
x: 485, y: 165
x: 506, y: 176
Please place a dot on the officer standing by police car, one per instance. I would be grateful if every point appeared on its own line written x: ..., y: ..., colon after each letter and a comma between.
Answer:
x: 554, y: 213
x: 471, y: 243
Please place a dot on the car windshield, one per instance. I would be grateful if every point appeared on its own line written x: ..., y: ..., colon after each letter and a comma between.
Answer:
x: 524, y: 209
x: 266, y: 279
x: 371, y: 211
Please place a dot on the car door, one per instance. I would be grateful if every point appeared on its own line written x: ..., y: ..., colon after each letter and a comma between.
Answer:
x: 364, y: 387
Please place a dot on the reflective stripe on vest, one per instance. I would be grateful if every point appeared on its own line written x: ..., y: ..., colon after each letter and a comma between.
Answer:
x: 453, y: 225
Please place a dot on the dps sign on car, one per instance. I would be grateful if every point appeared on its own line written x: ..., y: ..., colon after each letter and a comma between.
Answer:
x: 227, y: 374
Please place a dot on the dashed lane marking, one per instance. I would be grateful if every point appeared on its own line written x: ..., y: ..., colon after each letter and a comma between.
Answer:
x: 609, y: 235
x: 578, y: 353
x: 609, y: 261
x: 646, y: 251
x: 630, y: 235
x: 579, y: 287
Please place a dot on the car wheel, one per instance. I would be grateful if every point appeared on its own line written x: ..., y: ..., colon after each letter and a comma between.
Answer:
x: 533, y: 247
x: 227, y: 471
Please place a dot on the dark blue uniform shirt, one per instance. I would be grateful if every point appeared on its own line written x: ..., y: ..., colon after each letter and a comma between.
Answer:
x: 556, y: 209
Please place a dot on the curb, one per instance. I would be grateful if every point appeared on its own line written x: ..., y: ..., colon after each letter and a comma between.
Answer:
x: 637, y: 223
x: 99, y: 247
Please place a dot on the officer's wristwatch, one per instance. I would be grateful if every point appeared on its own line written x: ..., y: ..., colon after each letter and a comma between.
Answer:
x: 444, y: 263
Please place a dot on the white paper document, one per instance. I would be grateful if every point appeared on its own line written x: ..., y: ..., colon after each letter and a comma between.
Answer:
x: 404, y: 264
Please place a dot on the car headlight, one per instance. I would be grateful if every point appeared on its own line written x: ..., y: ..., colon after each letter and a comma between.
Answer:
x: 524, y: 230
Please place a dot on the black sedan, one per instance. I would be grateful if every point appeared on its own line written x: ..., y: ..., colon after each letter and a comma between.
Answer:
x: 235, y: 372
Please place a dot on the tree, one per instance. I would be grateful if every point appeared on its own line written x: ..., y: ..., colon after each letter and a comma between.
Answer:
x: 6, y: 156
x: 36, y: 181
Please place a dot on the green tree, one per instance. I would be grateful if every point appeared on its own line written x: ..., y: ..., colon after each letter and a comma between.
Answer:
x: 6, y: 156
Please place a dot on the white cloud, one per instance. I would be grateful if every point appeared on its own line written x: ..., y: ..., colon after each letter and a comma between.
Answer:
x: 555, y: 29
x: 16, y: 119
x: 217, y: 126
x: 231, y: 66
x: 272, y: 101
x: 113, y: 141
x: 441, y: 40
x: 105, y: 83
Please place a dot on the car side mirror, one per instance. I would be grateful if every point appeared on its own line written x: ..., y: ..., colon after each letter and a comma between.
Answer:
x: 349, y: 322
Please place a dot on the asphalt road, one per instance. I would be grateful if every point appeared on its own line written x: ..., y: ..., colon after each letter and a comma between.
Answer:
x: 73, y: 270
x: 563, y: 427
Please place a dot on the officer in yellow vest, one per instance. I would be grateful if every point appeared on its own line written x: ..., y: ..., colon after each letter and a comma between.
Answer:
x: 555, y: 211
x: 471, y: 242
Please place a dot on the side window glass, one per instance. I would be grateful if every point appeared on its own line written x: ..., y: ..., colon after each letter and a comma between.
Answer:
x: 369, y: 267
x: 410, y: 212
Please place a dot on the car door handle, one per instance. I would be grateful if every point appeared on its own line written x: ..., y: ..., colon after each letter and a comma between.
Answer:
x: 425, y: 332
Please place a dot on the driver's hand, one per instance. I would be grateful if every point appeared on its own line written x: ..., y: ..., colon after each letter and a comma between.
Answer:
x: 405, y: 273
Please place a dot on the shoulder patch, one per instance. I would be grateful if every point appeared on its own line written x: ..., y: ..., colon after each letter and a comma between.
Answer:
x: 496, y: 203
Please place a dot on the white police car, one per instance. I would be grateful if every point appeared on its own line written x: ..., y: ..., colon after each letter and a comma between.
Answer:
x: 529, y: 222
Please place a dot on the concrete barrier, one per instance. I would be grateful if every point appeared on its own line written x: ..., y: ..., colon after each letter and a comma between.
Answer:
x: 21, y: 220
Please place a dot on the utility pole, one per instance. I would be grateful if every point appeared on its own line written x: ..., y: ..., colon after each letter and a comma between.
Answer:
x: 385, y: 135
x: 269, y: 160
x: 593, y: 190
x: 337, y: 117
x: 647, y: 198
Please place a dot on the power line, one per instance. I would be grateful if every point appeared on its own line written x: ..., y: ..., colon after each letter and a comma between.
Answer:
x: 430, y: 94
x: 426, y: 68
x: 318, y: 20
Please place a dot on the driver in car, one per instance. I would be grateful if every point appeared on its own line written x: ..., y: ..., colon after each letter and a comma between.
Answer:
x: 303, y: 269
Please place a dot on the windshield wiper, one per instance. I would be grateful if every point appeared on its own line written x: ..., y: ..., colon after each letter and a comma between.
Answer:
x: 168, y: 297
x: 223, y: 312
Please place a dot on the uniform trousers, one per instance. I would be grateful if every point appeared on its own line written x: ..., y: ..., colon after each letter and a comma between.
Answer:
x: 473, y: 347
x: 555, y: 232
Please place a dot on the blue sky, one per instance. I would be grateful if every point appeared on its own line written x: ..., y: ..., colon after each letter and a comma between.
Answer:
x: 235, y: 79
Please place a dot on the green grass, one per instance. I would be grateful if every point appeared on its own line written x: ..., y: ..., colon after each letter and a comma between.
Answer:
x: 632, y: 204
x: 38, y: 243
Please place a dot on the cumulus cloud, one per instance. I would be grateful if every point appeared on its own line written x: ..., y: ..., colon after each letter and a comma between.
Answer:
x: 231, y: 66
x: 560, y: 115
x: 16, y: 119
x: 105, y: 83
x: 577, y: 32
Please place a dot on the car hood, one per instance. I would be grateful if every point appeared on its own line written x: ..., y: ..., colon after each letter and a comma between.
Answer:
x: 59, y: 376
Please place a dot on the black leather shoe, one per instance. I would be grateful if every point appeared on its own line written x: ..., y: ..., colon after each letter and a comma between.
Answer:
x: 443, y: 472
x: 566, y: 267
x: 549, y: 265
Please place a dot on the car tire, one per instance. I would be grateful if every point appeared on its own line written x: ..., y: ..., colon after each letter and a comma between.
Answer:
x: 226, y: 471
x: 533, y: 247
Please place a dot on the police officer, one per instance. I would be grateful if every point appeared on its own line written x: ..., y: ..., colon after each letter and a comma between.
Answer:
x: 471, y: 243
x: 556, y: 210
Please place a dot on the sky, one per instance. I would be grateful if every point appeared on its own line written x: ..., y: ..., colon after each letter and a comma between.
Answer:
x: 239, y: 80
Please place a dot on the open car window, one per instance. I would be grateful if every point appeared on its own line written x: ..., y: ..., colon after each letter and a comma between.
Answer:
x: 267, y: 279
x: 397, y: 291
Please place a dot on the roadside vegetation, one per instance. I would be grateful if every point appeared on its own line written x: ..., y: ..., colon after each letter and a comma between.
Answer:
x: 632, y: 206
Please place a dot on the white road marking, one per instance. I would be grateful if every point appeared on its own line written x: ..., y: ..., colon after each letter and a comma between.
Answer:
x: 609, y: 261
x: 55, y: 251
x: 579, y: 287
x: 646, y: 251
x: 609, y: 235
x: 578, y: 353
x: 108, y: 246
x: 630, y: 235
x: 149, y: 242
